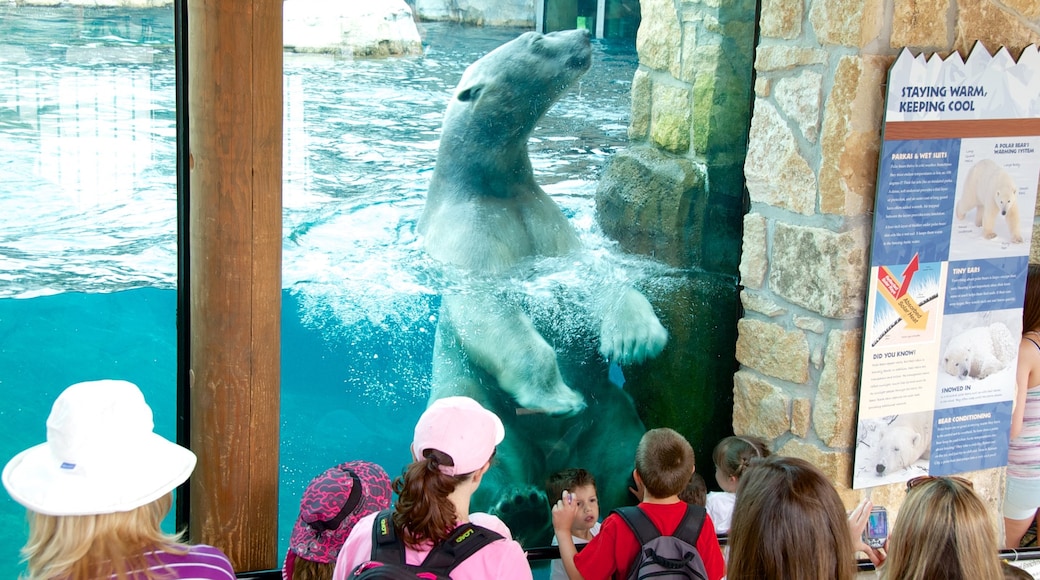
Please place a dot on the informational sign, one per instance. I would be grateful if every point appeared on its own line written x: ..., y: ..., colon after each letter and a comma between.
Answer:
x: 957, y: 186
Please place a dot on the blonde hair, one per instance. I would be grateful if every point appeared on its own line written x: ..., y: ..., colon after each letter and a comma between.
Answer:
x: 788, y: 523
x: 99, y: 546
x: 943, y: 531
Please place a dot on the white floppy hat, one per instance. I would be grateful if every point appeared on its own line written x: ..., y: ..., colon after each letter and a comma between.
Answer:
x: 101, y: 455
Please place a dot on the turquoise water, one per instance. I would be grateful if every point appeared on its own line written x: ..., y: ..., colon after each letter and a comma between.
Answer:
x: 88, y: 248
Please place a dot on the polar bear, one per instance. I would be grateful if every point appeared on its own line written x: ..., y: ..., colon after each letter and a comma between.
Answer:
x: 905, y: 440
x: 990, y: 190
x: 979, y: 352
x: 486, y: 221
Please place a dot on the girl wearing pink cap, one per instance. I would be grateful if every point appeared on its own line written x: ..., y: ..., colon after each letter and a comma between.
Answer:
x: 454, y: 442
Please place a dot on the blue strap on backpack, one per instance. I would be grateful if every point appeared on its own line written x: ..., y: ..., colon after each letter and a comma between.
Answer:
x: 388, y: 552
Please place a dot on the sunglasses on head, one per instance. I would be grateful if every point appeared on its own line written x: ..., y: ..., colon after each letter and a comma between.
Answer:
x: 916, y: 481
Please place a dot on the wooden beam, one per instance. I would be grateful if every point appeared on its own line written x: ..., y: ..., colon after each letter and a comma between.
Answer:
x: 235, y: 136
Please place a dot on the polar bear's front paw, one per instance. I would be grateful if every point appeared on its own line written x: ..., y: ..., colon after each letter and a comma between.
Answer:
x: 632, y: 333
x: 525, y: 510
x: 536, y: 385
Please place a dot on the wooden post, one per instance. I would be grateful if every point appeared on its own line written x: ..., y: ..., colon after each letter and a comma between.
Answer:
x: 235, y: 220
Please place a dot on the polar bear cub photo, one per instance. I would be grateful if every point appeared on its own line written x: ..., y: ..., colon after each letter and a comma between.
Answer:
x: 990, y: 190
x: 979, y: 352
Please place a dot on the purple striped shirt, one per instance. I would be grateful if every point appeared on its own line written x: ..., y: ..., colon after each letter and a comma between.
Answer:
x: 202, y: 562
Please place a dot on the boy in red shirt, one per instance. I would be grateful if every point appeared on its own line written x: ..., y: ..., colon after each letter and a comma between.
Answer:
x: 664, y: 462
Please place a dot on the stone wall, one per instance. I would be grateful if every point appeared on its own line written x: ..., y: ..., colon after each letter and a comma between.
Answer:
x: 810, y: 172
x: 677, y: 194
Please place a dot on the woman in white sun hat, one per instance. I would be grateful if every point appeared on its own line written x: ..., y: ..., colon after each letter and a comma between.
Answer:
x: 98, y: 489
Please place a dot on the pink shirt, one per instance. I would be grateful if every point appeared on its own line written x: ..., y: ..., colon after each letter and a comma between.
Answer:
x: 503, y: 559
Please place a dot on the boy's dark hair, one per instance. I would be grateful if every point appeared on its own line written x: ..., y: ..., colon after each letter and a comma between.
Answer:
x: 696, y: 492
x: 567, y: 479
x: 664, y: 461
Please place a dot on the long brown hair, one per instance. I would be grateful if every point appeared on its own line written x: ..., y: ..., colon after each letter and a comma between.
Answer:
x: 788, y: 523
x: 1031, y: 307
x: 943, y: 531
x: 423, y: 511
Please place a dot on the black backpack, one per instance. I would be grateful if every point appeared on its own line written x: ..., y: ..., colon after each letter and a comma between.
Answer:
x: 387, y: 561
x: 673, y: 556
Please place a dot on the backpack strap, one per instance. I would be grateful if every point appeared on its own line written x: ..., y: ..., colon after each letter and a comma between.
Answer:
x: 689, y: 529
x: 639, y: 523
x: 386, y: 546
x: 465, y: 541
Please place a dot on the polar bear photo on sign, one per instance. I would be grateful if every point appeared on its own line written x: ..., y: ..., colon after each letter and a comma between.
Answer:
x: 977, y: 356
x: 893, y: 448
x: 996, y: 191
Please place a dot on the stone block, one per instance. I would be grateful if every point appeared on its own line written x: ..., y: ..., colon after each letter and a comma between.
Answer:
x: 852, y: 136
x: 820, y: 270
x: 671, y: 117
x: 920, y: 23
x: 837, y: 394
x: 776, y: 172
x: 758, y: 303
x: 659, y: 36
x: 799, y: 98
x: 851, y: 23
x: 771, y: 350
x: 770, y: 58
x: 754, y: 260
x: 986, y: 21
x: 720, y: 96
x: 760, y: 408
x: 801, y: 413
x: 782, y: 18
x: 1030, y: 9
x: 836, y: 465
x: 646, y: 200
x: 809, y: 323
x: 642, y: 86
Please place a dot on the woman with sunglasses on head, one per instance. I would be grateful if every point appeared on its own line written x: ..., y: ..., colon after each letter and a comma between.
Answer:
x: 1022, y: 494
x: 943, y: 531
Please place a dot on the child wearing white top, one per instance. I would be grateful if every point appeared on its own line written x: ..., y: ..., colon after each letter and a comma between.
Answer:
x: 732, y: 457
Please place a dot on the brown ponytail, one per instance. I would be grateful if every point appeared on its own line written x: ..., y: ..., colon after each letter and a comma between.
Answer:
x: 423, y: 511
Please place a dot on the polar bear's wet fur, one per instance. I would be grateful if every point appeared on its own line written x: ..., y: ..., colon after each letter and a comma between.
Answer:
x: 990, y: 191
x: 979, y: 352
x: 905, y: 440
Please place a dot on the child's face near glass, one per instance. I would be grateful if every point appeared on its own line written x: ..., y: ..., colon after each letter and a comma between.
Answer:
x: 588, y: 508
x: 726, y: 482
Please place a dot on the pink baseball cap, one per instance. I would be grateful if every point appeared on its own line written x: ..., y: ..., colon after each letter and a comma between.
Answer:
x: 460, y: 428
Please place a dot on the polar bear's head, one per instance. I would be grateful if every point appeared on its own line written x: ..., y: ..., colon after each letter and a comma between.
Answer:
x: 1005, y: 192
x: 502, y: 95
x: 898, y: 448
x: 958, y: 359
